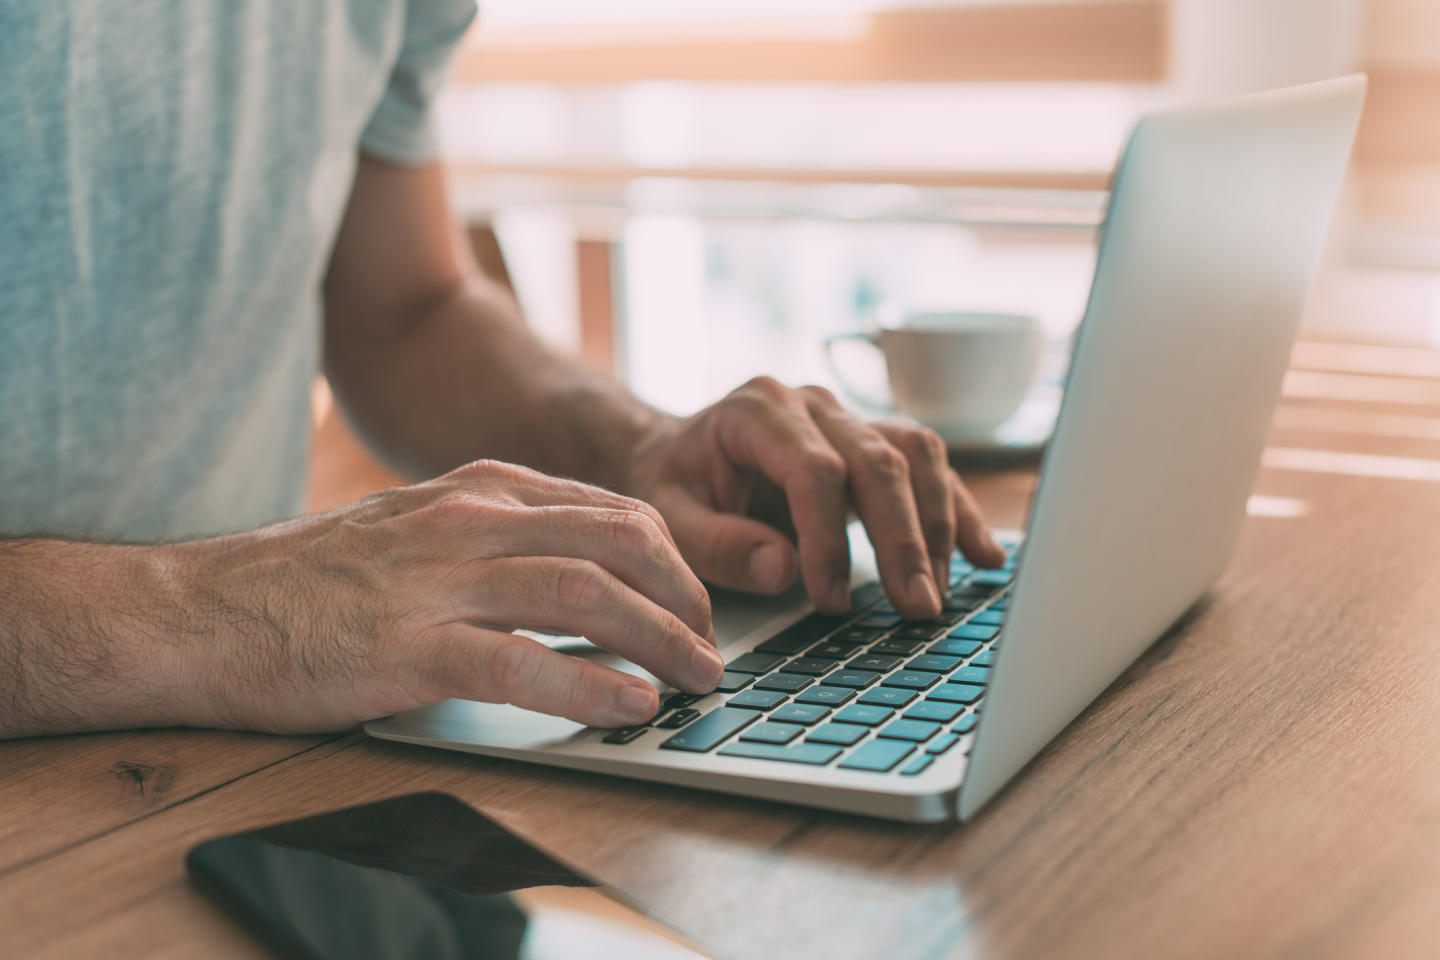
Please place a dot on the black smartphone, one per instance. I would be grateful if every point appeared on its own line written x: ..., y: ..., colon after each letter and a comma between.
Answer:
x: 419, y: 876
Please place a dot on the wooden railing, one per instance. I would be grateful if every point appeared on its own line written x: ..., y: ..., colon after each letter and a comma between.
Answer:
x: 1123, y: 41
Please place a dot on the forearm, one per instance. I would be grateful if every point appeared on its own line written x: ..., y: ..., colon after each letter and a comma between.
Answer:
x: 89, y: 638
x: 468, y: 379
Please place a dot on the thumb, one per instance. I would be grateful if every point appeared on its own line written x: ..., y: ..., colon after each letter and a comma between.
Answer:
x: 726, y: 549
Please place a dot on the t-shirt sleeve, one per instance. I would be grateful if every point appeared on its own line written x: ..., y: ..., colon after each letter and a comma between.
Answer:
x: 402, y: 128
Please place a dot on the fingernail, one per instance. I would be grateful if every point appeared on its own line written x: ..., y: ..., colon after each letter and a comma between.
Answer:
x: 921, y: 589
x: 637, y: 703
x: 767, y: 566
x: 706, y: 665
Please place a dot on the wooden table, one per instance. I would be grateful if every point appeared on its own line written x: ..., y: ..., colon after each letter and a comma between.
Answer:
x: 1264, y: 782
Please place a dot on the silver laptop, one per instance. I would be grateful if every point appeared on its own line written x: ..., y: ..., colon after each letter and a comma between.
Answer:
x: 1215, y: 230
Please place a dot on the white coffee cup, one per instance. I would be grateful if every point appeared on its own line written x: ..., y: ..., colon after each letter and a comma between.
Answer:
x: 962, y: 374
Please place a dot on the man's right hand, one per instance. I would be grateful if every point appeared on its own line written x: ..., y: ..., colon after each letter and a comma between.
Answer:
x: 408, y: 597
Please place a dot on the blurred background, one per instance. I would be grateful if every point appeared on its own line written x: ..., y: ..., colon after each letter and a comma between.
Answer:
x: 689, y: 194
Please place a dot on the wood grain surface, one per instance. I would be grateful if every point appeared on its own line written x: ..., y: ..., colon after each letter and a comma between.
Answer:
x: 1264, y: 782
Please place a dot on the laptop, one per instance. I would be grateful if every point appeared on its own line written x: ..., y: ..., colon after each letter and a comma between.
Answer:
x: 1215, y: 230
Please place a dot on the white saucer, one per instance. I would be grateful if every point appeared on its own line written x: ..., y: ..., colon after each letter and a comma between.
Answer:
x: 1026, y: 432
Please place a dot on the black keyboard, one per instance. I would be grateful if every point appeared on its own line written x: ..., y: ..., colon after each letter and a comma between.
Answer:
x: 867, y: 690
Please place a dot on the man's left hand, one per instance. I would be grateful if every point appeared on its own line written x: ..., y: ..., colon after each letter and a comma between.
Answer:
x: 769, y: 458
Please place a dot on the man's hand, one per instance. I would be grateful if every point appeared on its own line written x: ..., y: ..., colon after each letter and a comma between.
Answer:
x: 768, y: 458
x: 403, y: 599
x: 407, y: 598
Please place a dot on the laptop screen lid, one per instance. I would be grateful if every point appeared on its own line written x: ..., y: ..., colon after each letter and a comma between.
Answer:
x: 1217, y: 223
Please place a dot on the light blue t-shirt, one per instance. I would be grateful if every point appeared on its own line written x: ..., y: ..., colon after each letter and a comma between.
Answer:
x: 172, y: 177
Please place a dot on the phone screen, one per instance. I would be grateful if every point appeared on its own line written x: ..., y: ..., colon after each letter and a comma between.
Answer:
x: 420, y: 876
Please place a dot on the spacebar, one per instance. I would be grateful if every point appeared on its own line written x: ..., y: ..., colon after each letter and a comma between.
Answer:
x: 711, y: 730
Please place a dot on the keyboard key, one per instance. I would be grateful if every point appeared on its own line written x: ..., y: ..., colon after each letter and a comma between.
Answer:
x: 887, y: 697
x: 926, y: 630
x: 984, y: 659
x: 624, y: 734
x: 942, y: 743
x: 874, y: 661
x: 677, y: 700
x: 988, y: 617
x: 970, y: 592
x: 756, y: 699
x: 858, y: 679
x: 897, y: 646
x: 991, y: 578
x: 844, y: 734
x: 918, y: 765
x: 679, y: 719
x: 817, y: 754
x: 917, y: 731
x: 812, y: 666
x: 858, y: 636
x: 802, y: 633
x: 826, y: 695
x: 832, y: 650
x: 959, y: 606
x: 966, y: 724
x: 971, y: 675
x: 936, y: 710
x: 954, y: 648
x: 786, y: 682
x: 772, y: 732
x: 1002, y: 604
x: 711, y: 730
x: 878, y: 756
x: 978, y: 631
x: 956, y: 692
x: 912, y: 679
x: 806, y: 713
x: 754, y: 662
x: 882, y: 620
x: 731, y: 681
x: 864, y: 713
x: 933, y: 661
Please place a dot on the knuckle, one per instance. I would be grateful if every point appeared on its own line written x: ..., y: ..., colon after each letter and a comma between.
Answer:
x: 765, y: 387
x: 820, y: 395
x: 643, y: 509
x: 826, y: 466
x: 918, y: 443
x: 510, y: 667
x: 491, y: 471
x: 580, y: 585
x: 630, y: 531
x: 887, y: 463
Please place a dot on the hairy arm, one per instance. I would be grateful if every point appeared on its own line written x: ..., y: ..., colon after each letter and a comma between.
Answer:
x: 89, y: 636
x: 433, y: 362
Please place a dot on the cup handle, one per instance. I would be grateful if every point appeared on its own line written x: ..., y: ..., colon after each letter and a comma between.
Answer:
x: 871, y: 403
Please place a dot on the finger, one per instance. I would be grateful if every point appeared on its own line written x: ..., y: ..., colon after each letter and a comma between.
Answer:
x: 628, y: 543
x: 765, y: 426
x: 880, y: 482
x: 930, y: 483
x: 726, y: 549
x: 972, y: 532
x: 532, y: 488
x: 582, y: 598
x: 477, y: 664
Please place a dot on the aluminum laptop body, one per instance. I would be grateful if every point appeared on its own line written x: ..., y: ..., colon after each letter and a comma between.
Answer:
x: 1217, y: 223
